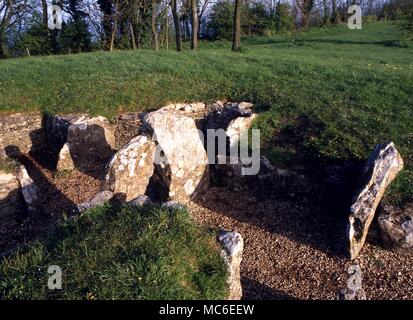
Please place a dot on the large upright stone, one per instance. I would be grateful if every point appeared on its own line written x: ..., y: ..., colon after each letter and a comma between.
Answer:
x: 131, y: 168
x: 90, y: 142
x: 232, y: 247
x: 181, y: 162
x: 11, y: 200
x: 379, y: 171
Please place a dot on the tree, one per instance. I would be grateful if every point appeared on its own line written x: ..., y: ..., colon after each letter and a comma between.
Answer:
x: 194, y: 17
x: 305, y: 7
x: 236, y: 41
x: 176, y: 25
x: 154, y: 26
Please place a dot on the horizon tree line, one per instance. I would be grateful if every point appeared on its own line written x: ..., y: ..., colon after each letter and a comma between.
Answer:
x: 134, y: 24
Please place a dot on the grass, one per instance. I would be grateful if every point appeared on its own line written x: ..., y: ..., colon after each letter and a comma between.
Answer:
x: 338, y: 91
x: 128, y: 253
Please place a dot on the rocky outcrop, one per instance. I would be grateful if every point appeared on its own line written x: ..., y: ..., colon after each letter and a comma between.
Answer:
x: 396, y: 226
x: 30, y: 192
x: 181, y: 164
x: 127, y: 128
x: 90, y: 142
x: 238, y: 127
x: 11, y: 200
x: 131, y: 168
x: 232, y: 247
x: 22, y: 130
x: 380, y: 170
x: 98, y: 200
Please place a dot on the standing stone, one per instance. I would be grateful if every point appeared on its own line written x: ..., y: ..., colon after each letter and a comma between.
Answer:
x: 380, y: 170
x: 30, y: 192
x: 131, y: 168
x: 56, y: 127
x: 232, y: 246
x: 90, y: 142
x: 396, y: 226
x: 11, y: 200
x: 238, y: 127
x: 181, y: 162
x: 220, y: 115
x: 65, y: 161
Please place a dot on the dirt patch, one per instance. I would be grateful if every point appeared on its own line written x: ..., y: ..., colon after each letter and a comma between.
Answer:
x: 60, y: 194
x: 288, y: 250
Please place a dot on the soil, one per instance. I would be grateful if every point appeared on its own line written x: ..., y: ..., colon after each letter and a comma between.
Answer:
x: 291, y: 250
x: 60, y: 195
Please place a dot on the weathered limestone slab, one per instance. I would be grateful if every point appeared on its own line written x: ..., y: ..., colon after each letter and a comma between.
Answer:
x: 232, y: 248
x: 30, y: 192
x: 396, y: 226
x: 131, y: 168
x: 90, y: 141
x: 181, y: 162
x: 11, y: 200
x: 23, y: 130
x: 380, y: 170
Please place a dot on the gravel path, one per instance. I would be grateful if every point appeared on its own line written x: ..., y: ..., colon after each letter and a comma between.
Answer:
x: 292, y: 250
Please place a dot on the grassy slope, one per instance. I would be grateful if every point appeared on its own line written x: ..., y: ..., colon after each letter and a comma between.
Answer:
x: 354, y: 86
x: 132, y: 253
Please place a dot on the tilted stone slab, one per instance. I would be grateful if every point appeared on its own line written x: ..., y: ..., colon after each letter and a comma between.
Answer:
x: 90, y: 142
x: 181, y: 163
x: 379, y: 171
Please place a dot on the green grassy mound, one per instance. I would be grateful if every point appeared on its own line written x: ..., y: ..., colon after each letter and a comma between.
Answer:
x: 128, y: 253
x: 335, y: 92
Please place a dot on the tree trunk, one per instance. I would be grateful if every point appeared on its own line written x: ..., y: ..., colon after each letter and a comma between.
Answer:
x: 112, y: 37
x: 194, y: 35
x: 177, y: 26
x: 154, y: 27
x: 236, y: 41
x: 326, y: 18
x: 44, y: 14
x: 132, y: 34
x: 167, y: 31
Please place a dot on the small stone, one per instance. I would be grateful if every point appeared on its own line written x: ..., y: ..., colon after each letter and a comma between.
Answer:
x: 140, y: 201
x: 98, y: 200
x: 232, y: 247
